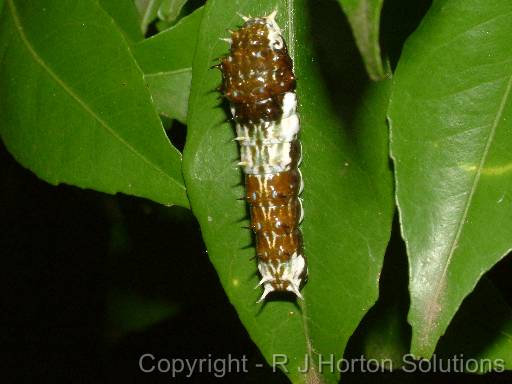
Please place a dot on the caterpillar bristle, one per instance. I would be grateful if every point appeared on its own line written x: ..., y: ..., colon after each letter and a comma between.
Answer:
x: 244, y: 18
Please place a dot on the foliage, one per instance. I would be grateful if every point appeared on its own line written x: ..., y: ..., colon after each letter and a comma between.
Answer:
x: 80, y: 94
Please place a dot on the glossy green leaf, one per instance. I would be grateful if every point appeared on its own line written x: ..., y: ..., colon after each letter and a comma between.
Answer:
x: 74, y: 105
x: 166, y: 60
x: 126, y: 17
x: 451, y: 126
x: 347, y: 195
x: 364, y: 18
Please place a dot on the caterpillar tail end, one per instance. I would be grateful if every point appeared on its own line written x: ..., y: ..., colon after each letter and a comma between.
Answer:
x: 268, y: 288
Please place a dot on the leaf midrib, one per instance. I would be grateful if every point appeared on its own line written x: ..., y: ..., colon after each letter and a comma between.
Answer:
x: 78, y: 100
x: 460, y: 225
x: 303, y: 305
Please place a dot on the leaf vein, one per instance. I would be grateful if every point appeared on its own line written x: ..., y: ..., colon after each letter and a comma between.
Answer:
x: 166, y: 73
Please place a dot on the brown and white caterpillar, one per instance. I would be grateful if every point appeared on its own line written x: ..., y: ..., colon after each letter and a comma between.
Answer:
x: 259, y: 83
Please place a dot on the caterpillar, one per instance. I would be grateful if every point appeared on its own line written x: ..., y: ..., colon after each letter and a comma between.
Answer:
x: 259, y: 83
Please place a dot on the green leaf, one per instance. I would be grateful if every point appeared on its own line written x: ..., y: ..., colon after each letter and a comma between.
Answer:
x: 170, y: 9
x: 126, y: 17
x: 347, y: 196
x: 74, y: 105
x: 167, y: 11
x: 481, y: 330
x: 451, y: 124
x: 166, y: 60
x: 170, y: 91
x: 148, y: 10
x: 364, y: 18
